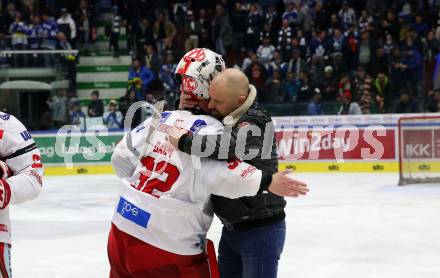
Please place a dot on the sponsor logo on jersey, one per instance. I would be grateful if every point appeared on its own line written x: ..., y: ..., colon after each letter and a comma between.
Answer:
x: 26, y: 135
x: 164, y: 116
x: 197, y: 125
x: 5, y: 117
x: 1, y: 133
x: 243, y: 124
x: 4, y: 228
x: 133, y: 213
x: 37, y: 176
x: 36, y: 161
x: 140, y: 127
x: 248, y: 171
x: 180, y: 123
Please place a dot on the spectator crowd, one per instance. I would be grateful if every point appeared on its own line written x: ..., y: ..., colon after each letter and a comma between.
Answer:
x: 66, y: 110
x: 369, y: 56
x: 40, y: 25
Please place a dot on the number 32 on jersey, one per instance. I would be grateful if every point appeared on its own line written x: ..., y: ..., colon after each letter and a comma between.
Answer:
x: 164, y: 176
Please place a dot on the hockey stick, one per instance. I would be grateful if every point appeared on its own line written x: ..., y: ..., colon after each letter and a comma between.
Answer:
x: 157, y: 108
x: 155, y: 121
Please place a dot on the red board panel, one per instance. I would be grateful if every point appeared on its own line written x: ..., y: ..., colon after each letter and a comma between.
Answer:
x: 336, y: 144
x: 417, y: 143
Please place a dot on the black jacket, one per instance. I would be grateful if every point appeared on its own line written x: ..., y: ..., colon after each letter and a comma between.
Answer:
x: 98, y: 108
x: 247, y: 212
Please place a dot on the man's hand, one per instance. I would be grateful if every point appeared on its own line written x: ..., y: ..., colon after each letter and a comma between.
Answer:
x: 174, y: 135
x: 283, y: 185
x: 186, y: 102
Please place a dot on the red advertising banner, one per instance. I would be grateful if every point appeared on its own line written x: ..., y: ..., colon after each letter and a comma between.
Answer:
x: 370, y: 143
x: 417, y: 143
x: 437, y: 143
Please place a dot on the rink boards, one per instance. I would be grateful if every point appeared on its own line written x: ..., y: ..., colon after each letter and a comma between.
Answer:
x: 305, y: 144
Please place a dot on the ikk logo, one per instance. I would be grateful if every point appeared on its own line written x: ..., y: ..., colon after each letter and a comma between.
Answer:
x: 418, y: 150
x: 133, y: 213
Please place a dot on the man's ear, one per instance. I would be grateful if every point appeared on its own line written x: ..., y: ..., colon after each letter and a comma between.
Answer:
x: 241, y: 100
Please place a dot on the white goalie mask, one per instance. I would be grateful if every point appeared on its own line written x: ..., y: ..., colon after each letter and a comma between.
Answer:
x: 196, y: 70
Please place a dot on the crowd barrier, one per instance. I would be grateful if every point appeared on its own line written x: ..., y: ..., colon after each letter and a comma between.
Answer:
x: 364, y: 143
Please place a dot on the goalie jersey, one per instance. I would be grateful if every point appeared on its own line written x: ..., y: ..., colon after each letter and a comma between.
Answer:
x: 164, y: 200
x: 19, y: 151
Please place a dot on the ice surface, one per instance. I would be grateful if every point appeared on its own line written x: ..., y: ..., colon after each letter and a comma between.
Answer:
x: 350, y: 226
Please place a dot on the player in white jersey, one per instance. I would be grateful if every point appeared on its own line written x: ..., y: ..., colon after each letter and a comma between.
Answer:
x: 163, y: 212
x: 21, y: 174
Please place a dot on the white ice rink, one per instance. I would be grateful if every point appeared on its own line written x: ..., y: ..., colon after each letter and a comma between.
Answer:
x: 350, y: 226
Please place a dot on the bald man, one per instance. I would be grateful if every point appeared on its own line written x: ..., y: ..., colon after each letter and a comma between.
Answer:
x: 254, y: 227
x: 228, y: 92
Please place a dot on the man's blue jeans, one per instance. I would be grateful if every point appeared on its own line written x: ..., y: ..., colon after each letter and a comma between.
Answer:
x: 252, y: 253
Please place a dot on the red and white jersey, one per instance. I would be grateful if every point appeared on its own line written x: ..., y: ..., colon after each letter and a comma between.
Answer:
x: 21, y: 154
x: 165, y: 196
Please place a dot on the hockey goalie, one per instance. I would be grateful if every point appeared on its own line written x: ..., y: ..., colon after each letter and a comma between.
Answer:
x: 163, y: 212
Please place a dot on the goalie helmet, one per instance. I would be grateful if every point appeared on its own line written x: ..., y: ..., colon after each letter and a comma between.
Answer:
x: 197, y: 69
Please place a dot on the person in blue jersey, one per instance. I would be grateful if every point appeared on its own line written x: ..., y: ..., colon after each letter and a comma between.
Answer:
x: 35, y: 33
x: 113, y: 118
x: 49, y: 40
x: 139, y: 79
x: 18, y: 30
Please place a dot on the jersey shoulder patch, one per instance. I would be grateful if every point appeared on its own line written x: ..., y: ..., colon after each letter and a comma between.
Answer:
x: 139, y: 128
x: 197, y: 125
x: 164, y: 116
x: 4, y: 116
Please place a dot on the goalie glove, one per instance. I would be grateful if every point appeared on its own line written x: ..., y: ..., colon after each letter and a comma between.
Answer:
x: 5, y: 172
x: 5, y: 194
